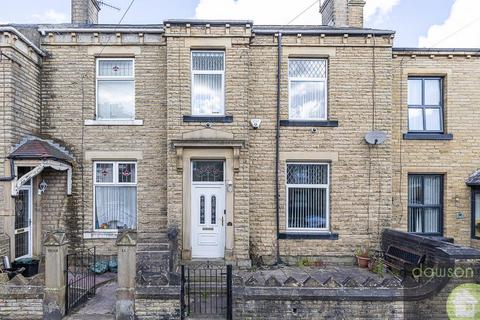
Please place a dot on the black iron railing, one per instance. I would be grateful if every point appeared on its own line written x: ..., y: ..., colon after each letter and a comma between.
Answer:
x: 206, y: 290
x: 80, y: 277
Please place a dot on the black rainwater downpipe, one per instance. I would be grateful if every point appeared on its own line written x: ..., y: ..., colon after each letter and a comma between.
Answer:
x: 277, y: 147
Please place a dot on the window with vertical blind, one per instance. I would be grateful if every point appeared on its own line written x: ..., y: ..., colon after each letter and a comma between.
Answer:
x: 208, y: 83
x: 115, y: 191
x: 115, y: 89
x: 307, y: 192
x: 307, y: 82
x: 425, y: 203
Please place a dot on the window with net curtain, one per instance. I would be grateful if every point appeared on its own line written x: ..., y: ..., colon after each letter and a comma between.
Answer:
x: 307, y: 197
x: 425, y: 203
x: 115, y: 195
x: 115, y: 89
x: 307, y: 81
x: 425, y: 104
x: 208, y: 78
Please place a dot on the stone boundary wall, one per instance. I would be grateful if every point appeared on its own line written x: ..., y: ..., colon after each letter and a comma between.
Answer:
x: 157, y: 302
x: 424, y: 298
x: 21, y: 302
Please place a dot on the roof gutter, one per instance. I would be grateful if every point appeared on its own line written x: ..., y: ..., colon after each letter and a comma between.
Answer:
x: 326, y: 32
x: 43, y: 31
x: 24, y: 39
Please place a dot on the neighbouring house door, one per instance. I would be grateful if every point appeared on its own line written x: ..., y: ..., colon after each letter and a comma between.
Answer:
x: 23, y: 222
x: 208, y: 209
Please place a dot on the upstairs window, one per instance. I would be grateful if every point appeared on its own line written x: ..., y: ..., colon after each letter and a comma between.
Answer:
x: 115, y: 89
x: 307, y: 82
x: 425, y: 104
x: 208, y: 83
x: 307, y: 197
x: 115, y: 190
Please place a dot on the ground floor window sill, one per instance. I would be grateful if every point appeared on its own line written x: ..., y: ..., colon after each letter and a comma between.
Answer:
x: 100, y: 235
x: 218, y: 119
x: 307, y: 123
x: 308, y: 236
x: 135, y: 122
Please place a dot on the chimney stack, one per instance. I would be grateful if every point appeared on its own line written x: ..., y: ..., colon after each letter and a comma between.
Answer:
x: 85, y: 11
x: 342, y: 13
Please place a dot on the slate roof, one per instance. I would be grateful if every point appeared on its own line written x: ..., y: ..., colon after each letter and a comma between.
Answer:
x: 474, y: 179
x: 36, y: 148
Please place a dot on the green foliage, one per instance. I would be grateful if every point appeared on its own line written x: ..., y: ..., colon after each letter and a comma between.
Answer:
x: 362, y: 251
x: 378, y: 267
x: 306, y: 262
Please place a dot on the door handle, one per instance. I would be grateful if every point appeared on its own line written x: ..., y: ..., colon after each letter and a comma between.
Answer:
x: 222, y: 221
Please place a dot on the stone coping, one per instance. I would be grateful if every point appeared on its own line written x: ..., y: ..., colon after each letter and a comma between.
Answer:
x: 21, y: 292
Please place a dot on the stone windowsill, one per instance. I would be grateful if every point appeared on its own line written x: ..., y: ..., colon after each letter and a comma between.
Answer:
x: 135, y: 122
x: 427, y: 136
x: 308, y: 236
x: 218, y: 119
x: 308, y: 123
x: 97, y: 234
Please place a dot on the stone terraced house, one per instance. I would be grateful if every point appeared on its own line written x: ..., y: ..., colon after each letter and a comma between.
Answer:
x: 234, y: 142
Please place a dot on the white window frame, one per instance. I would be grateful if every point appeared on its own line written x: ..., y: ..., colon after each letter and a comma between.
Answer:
x: 309, y: 186
x: 114, y: 78
x: 114, y: 183
x: 298, y: 79
x: 195, y: 72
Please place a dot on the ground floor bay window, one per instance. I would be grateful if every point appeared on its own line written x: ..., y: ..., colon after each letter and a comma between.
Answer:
x: 425, y: 203
x: 115, y: 195
x: 307, y: 196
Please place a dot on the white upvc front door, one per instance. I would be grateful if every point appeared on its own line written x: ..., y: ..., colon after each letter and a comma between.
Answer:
x: 208, y: 209
x: 23, y: 222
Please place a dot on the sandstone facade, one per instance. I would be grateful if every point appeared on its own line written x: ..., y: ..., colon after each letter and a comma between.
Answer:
x: 54, y: 94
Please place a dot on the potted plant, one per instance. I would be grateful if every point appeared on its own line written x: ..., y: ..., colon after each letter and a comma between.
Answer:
x: 362, y: 254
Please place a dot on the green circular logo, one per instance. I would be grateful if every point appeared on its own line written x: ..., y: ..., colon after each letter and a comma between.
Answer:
x: 464, y: 302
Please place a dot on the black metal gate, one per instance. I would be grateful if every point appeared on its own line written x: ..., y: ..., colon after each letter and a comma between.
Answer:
x: 80, y: 277
x: 206, y: 290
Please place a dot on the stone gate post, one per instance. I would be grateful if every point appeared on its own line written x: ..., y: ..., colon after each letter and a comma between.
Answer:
x: 127, y: 268
x: 56, y: 246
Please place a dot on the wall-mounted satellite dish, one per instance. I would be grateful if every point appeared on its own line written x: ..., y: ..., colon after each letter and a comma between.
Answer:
x: 376, y: 137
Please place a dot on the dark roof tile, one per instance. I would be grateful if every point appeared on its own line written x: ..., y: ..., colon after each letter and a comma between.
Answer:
x: 37, y: 148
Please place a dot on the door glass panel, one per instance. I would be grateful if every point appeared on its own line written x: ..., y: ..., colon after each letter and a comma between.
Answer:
x: 21, y: 244
x: 21, y: 210
x: 202, y: 209
x: 207, y: 171
x: 22, y: 171
x: 214, y: 210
